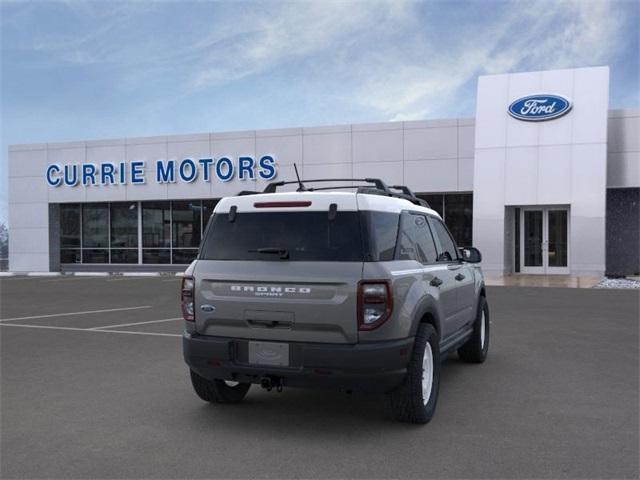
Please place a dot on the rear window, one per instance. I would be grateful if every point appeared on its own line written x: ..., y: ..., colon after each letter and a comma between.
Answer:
x: 305, y: 236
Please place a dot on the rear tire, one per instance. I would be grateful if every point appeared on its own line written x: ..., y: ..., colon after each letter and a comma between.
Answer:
x: 476, y: 348
x: 218, y: 391
x: 415, y: 400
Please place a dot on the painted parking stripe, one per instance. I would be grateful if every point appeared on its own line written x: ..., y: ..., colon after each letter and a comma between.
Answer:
x: 73, y: 329
x: 75, y: 313
x: 136, y: 323
x: 71, y: 279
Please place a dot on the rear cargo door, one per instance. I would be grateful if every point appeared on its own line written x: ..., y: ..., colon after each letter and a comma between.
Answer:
x: 265, y: 300
x: 281, y: 267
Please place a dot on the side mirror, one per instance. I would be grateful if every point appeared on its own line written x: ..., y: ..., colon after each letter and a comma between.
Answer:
x: 470, y: 255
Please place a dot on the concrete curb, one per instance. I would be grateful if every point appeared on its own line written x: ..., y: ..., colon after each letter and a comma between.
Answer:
x: 140, y: 274
x: 93, y: 274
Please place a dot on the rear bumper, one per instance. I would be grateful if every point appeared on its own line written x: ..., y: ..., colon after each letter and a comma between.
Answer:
x: 368, y: 367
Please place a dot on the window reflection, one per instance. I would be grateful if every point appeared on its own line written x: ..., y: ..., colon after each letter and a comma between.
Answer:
x: 186, y: 218
x: 124, y: 225
x: 95, y: 225
x: 456, y: 209
x: 156, y: 224
x: 108, y: 232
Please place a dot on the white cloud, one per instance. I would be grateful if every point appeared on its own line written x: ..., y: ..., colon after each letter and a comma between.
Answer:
x: 534, y: 36
x: 391, y: 57
x: 295, y: 30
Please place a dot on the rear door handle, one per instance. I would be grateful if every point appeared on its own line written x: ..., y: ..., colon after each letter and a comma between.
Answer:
x: 435, y: 282
x: 459, y: 277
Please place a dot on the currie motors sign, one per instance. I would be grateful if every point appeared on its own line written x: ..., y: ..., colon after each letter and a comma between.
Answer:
x: 188, y: 170
x: 537, y: 108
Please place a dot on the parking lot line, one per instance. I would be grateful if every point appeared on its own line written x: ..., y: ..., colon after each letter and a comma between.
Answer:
x: 75, y: 313
x: 126, y: 279
x: 136, y: 323
x: 74, y: 329
x: 68, y: 278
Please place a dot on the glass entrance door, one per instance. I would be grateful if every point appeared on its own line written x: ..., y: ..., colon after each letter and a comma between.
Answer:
x: 533, y: 241
x: 544, y: 240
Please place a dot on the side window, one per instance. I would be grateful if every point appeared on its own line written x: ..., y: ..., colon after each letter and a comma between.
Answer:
x: 447, y: 251
x: 380, y: 231
x: 415, y: 241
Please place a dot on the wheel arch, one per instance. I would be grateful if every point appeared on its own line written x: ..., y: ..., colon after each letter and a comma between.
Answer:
x: 428, y: 313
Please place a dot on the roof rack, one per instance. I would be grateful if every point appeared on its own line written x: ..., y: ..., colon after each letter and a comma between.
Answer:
x: 379, y: 184
x: 408, y: 193
x: 376, y: 187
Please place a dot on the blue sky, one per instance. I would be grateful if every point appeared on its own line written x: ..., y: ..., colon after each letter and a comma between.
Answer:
x: 82, y: 70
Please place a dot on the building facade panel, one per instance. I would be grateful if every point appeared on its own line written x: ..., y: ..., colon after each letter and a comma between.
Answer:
x: 392, y: 172
x: 378, y: 145
x: 554, y: 168
x: 623, y: 169
x: 28, y: 190
x: 521, y: 176
x: 327, y: 148
x: 591, y: 105
x: 465, y: 174
x: 434, y: 143
x: 27, y: 162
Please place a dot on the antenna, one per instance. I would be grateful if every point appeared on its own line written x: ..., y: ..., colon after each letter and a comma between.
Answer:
x: 301, y: 186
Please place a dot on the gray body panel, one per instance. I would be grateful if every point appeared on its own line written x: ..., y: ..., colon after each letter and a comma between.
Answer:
x: 278, y: 300
x: 451, y: 305
x: 317, y: 301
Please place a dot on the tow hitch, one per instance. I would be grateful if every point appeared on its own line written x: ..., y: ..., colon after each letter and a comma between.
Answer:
x: 268, y: 383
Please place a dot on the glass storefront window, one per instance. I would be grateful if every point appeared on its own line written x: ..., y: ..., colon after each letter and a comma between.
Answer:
x: 124, y: 225
x: 456, y: 209
x: 94, y: 255
x: 108, y: 232
x: 458, y: 215
x: 184, y: 255
x: 95, y: 225
x: 156, y: 224
x: 70, y: 255
x: 127, y: 255
x: 435, y: 201
x: 186, y: 218
x: 69, y: 226
x: 156, y: 255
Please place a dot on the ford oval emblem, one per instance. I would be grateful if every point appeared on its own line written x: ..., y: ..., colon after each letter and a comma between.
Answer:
x: 536, y: 108
x: 208, y: 308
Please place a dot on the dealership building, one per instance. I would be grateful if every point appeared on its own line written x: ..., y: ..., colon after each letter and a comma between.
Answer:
x: 544, y: 180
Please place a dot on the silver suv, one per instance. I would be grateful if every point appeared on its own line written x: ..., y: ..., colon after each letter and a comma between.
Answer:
x: 356, y: 287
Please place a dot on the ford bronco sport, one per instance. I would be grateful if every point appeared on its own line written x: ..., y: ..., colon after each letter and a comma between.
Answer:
x: 361, y: 290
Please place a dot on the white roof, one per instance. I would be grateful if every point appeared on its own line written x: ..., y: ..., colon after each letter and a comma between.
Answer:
x: 319, y: 201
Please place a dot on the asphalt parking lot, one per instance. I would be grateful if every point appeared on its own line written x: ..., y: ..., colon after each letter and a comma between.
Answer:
x: 94, y: 386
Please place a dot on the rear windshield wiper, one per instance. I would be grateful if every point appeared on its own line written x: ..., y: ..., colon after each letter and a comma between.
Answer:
x: 283, y: 252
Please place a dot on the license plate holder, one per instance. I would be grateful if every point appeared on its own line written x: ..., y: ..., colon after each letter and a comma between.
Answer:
x: 269, y: 353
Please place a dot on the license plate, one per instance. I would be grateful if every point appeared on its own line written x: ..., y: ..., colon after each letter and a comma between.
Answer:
x: 268, y: 353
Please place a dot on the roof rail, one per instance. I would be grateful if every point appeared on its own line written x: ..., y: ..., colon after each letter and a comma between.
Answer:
x: 379, y: 184
x: 407, y: 191
x: 375, y: 187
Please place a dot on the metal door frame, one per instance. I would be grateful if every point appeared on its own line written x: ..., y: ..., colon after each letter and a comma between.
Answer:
x: 545, y: 269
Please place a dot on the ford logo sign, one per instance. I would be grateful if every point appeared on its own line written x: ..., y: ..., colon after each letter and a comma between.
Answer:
x: 536, y: 108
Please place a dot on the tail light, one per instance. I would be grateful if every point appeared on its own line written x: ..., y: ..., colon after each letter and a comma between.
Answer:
x: 186, y: 298
x: 375, y: 303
